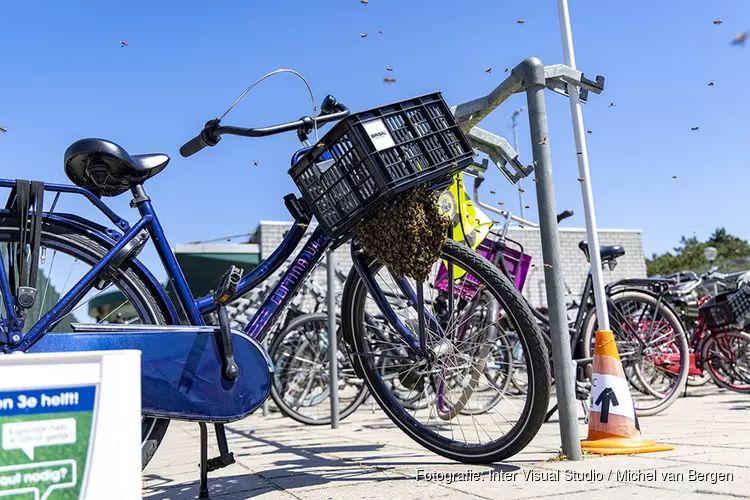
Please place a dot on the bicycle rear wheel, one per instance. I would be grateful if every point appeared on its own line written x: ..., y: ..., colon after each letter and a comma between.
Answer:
x: 652, y: 345
x: 301, y: 384
x: 65, y: 256
x: 446, y: 377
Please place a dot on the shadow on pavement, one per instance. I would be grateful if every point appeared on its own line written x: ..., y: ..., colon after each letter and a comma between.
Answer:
x: 306, y: 467
x: 223, y: 488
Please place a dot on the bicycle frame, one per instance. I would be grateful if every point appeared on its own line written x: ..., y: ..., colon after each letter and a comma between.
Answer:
x: 496, y: 254
x: 286, y: 288
x: 586, y: 301
x: 575, y: 332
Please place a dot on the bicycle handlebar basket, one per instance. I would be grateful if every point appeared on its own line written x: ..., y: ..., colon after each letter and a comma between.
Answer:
x: 727, y: 308
x: 370, y: 157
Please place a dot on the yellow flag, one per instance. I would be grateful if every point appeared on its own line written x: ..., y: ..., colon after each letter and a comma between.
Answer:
x: 468, y: 223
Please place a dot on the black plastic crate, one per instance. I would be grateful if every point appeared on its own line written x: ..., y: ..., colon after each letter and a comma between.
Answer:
x: 739, y: 303
x: 370, y: 157
x: 717, y: 312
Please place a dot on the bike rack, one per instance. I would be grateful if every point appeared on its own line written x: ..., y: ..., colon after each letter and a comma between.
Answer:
x: 532, y: 77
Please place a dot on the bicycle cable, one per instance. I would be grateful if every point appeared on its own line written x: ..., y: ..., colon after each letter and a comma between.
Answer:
x: 268, y: 75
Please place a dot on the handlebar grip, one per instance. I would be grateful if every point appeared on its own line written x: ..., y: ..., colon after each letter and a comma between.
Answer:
x: 478, y: 180
x: 330, y: 105
x: 193, y: 146
x: 564, y: 215
x: 207, y: 137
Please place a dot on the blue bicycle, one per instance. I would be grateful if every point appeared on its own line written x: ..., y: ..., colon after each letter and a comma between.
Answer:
x: 421, y: 362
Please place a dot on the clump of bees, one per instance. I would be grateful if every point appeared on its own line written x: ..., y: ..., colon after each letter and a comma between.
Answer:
x: 407, y: 234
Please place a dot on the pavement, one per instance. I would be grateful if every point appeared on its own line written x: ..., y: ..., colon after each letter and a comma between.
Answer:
x: 368, y: 457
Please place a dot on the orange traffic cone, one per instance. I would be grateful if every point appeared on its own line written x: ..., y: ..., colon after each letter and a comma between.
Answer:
x: 613, y: 425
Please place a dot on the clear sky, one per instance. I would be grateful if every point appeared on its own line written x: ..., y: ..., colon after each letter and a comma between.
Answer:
x: 64, y: 76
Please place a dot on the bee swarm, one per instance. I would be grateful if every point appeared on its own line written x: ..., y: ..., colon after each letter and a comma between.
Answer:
x: 406, y: 235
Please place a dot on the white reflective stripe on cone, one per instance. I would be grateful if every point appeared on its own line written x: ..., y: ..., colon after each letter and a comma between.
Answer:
x: 620, y: 403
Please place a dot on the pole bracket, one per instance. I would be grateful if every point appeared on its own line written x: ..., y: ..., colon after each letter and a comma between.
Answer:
x: 501, y: 153
x: 559, y: 76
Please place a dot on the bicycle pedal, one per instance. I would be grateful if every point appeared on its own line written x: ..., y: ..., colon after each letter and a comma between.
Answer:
x: 224, y: 460
x: 583, y: 390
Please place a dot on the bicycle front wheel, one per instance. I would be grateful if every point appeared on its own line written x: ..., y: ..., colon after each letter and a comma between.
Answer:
x: 652, y: 345
x: 448, y: 378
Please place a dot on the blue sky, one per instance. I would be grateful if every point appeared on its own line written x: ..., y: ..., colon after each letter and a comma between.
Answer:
x: 64, y: 76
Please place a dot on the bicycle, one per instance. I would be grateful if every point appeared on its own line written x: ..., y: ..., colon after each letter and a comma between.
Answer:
x: 299, y: 352
x: 720, y: 351
x: 643, y: 324
x: 210, y: 374
x: 685, y: 298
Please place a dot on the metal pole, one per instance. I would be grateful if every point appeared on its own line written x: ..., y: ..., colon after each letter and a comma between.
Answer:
x: 265, y: 403
x: 515, y: 146
x: 553, y: 274
x: 332, y: 342
x: 583, y: 170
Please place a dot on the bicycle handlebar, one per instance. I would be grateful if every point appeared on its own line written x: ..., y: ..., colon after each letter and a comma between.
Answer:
x: 503, y: 213
x: 212, y: 130
x: 564, y: 215
x: 560, y: 217
x: 694, y: 280
x: 479, y: 179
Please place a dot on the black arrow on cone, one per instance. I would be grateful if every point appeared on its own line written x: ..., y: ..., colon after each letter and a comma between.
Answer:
x: 605, y: 398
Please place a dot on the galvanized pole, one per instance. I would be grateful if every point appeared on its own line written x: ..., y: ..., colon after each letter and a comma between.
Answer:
x: 533, y: 76
x: 515, y: 146
x: 265, y: 403
x: 579, y: 132
x: 332, y: 342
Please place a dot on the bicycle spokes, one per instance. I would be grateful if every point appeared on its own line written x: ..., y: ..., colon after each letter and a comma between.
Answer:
x: 460, y: 386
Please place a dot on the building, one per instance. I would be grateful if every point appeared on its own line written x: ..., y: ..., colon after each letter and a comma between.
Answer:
x: 575, y: 265
x: 269, y: 234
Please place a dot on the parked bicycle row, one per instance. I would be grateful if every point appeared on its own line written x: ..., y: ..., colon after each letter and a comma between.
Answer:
x: 662, y: 337
x: 433, y: 323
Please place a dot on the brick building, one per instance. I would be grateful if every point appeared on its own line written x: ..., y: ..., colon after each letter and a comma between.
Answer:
x: 269, y: 234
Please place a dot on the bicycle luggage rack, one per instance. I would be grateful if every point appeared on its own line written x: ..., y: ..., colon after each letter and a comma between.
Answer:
x: 118, y: 221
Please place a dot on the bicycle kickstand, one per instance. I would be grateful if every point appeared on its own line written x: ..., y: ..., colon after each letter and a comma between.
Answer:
x: 207, y: 465
x: 586, y: 411
x: 550, y: 413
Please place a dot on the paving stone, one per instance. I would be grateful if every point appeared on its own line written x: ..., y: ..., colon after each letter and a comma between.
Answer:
x: 367, y: 457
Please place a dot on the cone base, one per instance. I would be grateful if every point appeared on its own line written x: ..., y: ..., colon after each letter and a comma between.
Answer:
x: 622, y: 446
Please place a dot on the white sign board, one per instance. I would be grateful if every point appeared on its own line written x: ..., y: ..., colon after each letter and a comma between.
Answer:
x: 70, y: 425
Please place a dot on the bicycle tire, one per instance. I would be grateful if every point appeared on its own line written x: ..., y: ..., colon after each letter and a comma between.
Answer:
x: 58, y: 237
x: 275, y: 353
x: 589, y: 330
x: 698, y: 380
x: 712, y: 367
x: 535, y: 408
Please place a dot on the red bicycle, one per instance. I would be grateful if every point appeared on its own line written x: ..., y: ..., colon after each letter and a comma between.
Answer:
x: 719, y: 348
